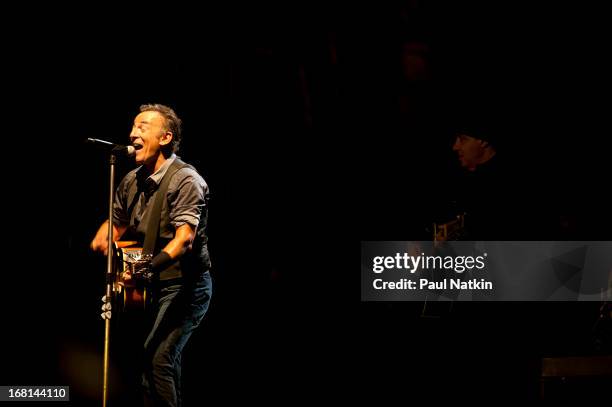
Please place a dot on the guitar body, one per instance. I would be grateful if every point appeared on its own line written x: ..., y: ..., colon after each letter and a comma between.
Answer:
x: 454, y: 229
x: 132, y: 293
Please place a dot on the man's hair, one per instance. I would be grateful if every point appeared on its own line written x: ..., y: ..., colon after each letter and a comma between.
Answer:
x: 173, y: 123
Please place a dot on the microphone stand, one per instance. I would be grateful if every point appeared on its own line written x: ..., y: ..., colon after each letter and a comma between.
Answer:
x: 109, y: 268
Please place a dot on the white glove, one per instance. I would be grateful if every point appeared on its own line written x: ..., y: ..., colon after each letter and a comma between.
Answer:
x: 106, y: 308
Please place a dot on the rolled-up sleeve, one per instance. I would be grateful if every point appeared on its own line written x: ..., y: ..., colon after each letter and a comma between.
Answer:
x: 187, y: 198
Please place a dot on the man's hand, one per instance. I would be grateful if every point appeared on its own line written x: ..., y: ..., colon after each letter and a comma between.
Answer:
x: 100, y: 241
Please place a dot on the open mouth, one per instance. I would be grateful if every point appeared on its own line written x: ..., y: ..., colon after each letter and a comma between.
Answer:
x: 137, y: 146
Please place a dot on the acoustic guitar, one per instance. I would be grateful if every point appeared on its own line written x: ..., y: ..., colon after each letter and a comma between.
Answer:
x: 131, y: 286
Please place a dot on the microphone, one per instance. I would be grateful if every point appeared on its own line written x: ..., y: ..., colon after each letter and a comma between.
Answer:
x: 117, y: 148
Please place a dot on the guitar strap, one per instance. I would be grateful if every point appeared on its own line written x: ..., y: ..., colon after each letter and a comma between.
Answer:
x: 152, y: 233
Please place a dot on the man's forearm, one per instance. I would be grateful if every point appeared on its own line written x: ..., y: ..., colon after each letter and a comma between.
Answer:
x: 118, y: 231
x: 183, y: 238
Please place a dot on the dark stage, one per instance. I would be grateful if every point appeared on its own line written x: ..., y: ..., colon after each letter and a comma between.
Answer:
x: 315, y: 127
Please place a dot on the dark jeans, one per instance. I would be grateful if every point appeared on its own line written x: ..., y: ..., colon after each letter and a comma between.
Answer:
x: 180, y: 308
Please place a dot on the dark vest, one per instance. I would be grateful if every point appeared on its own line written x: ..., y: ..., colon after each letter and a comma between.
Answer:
x: 195, y: 261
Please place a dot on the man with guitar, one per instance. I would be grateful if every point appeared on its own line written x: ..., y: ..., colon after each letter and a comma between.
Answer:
x: 484, y: 191
x: 163, y: 205
x: 494, y: 196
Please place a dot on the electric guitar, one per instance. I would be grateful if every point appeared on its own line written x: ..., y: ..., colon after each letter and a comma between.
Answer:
x: 453, y: 229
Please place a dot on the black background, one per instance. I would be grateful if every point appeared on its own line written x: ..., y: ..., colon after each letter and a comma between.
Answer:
x: 311, y: 139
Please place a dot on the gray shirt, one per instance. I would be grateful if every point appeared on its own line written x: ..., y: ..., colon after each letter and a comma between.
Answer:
x: 186, y: 200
